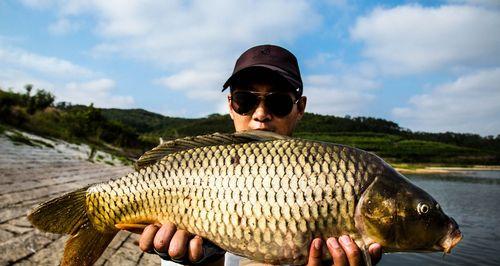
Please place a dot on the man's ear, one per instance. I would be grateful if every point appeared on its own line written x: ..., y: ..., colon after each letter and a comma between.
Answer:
x: 231, y: 111
x: 301, y: 105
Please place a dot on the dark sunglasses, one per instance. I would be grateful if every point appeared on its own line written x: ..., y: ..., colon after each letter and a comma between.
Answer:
x: 278, y: 103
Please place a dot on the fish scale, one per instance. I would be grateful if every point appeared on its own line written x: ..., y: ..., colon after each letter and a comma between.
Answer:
x: 306, y: 196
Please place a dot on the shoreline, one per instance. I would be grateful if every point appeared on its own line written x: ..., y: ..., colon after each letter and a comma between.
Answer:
x: 427, y: 169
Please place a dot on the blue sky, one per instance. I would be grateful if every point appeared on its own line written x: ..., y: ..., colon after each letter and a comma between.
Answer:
x: 429, y: 66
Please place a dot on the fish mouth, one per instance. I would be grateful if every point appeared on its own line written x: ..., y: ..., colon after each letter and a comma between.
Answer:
x: 451, y: 239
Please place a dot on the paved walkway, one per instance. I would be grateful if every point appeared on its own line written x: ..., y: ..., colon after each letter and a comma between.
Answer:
x: 29, y: 175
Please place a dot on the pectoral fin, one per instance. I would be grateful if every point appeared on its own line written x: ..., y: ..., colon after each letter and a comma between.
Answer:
x: 134, y: 228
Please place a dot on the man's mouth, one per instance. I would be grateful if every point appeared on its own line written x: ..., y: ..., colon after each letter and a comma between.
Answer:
x: 262, y: 126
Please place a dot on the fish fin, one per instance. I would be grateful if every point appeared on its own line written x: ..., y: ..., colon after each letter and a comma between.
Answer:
x: 62, y: 215
x: 67, y: 215
x: 134, y: 228
x: 168, y: 147
x: 85, y: 246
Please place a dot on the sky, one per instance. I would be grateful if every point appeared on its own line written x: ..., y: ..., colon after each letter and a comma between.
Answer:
x: 429, y: 66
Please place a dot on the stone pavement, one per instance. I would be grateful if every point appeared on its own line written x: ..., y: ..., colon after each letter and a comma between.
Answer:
x: 30, y: 175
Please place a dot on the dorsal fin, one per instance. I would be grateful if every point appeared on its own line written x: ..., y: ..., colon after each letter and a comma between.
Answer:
x: 168, y: 147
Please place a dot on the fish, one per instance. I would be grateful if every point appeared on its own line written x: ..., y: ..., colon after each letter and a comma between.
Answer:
x: 256, y: 194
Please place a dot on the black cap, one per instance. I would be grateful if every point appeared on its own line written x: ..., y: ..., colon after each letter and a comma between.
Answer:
x: 272, y: 57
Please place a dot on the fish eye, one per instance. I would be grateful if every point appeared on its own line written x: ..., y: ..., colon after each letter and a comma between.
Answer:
x: 422, y: 208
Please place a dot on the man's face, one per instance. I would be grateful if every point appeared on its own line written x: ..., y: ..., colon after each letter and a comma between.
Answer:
x: 262, y: 119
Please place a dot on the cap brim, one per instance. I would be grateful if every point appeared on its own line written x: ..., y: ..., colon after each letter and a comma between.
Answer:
x: 276, y: 69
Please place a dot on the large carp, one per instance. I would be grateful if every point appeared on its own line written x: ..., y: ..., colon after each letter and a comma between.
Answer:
x: 256, y: 194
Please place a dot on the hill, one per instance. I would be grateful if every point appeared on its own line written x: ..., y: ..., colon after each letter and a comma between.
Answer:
x: 133, y: 131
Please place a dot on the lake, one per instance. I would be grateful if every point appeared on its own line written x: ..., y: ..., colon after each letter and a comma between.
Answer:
x: 472, y: 198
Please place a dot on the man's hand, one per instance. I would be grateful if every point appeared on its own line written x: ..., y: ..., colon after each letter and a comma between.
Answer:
x: 344, y: 252
x: 177, y: 244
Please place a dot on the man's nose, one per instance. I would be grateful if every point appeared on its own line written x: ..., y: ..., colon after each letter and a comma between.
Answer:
x: 261, y: 113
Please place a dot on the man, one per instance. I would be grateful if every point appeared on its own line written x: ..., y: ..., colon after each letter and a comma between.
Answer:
x: 265, y: 94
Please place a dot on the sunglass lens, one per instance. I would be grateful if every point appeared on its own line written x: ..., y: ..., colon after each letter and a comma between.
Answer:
x: 243, y: 102
x: 280, y: 104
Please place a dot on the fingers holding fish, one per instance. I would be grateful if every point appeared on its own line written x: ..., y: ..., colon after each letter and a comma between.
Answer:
x: 344, y: 251
x: 168, y: 240
x: 315, y: 253
x: 195, y: 251
x: 163, y: 237
x: 375, y: 251
x: 146, y: 241
x: 179, y: 244
x: 352, y: 251
x: 338, y: 254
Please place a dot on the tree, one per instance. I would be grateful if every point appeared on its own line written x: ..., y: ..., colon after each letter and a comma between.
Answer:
x: 43, y: 99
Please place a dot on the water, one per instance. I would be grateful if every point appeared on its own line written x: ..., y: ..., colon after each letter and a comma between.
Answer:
x: 472, y: 198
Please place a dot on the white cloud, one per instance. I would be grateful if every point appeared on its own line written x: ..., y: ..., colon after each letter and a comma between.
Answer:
x: 195, y: 42
x: 338, y: 95
x: 173, y: 33
x: 97, y: 91
x: 195, y: 84
x: 18, y: 58
x: 202, y: 86
x: 16, y: 80
x: 66, y: 80
x: 470, y: 104
x: 412, y: 39
x: 63, y: 26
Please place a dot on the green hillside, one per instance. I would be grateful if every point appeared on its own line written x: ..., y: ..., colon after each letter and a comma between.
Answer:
x: 133, y: 131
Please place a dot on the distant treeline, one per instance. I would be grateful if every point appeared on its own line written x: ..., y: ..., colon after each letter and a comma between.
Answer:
x: 329, y: 124
x: 137, y: 130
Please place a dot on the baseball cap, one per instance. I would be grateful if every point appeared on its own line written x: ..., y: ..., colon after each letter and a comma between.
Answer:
x: 272, y: 57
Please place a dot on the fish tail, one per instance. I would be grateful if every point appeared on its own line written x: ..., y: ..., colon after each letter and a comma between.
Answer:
x: 67, y: 215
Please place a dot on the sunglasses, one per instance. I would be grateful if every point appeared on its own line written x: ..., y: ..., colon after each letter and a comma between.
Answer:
x: 278, y: 103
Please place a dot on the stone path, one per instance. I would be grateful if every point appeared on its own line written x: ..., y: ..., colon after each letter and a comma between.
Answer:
x: 30, y: 175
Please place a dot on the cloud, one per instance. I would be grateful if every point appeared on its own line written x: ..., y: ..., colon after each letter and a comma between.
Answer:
x: 195, y: 42
x: 413, y: 39
x: 195, y: 84
x: 338, y: 95
x: 16, y: 80
x: 18, y: 58
x: 66, y: 80
x: 95, y: 91
x: 178, y: 33
x: 63, y: 26
x: 98, y: 91
x: 469, y: 104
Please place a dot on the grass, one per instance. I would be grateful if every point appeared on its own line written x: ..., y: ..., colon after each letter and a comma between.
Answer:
x: 398, y: 150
